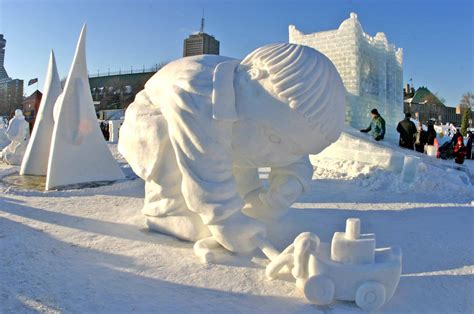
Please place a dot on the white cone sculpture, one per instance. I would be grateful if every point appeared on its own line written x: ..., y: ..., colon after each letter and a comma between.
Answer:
x: 79, y: 153
x: 35, y: 161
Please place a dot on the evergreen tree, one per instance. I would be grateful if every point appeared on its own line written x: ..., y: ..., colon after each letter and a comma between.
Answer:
x: 465, y: 121
x: 467, y: 104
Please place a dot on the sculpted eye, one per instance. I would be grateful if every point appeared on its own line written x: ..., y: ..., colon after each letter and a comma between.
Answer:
x: 274, y: 139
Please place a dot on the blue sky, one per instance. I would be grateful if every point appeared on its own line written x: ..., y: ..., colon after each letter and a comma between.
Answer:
x: 437, y: 36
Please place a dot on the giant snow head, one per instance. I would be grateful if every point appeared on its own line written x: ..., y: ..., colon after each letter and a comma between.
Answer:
x: 291, y: 99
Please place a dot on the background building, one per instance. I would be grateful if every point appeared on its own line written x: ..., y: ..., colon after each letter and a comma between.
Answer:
x: 11, y: 96
x: 30, y: 106
x: 117, y: 90
x: 370, y: 67
x: 3, y: 73
x: 424, y: 105
x: 11, y: 91
x: 200, y: 43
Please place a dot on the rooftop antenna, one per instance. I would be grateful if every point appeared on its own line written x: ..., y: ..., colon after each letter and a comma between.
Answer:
x: 201, y: 30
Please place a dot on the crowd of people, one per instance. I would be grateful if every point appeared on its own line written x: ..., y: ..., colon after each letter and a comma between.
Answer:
x: 416, y: 138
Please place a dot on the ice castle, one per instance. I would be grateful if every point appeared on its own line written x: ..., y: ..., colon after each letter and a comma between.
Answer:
x: 370, y: 67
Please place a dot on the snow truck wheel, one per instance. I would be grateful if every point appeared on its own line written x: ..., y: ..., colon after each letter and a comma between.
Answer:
x: 370, y: 296
x: 319, y: 290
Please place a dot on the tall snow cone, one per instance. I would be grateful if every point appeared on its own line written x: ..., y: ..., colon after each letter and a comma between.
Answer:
x: 79, y: 153
x: 35, y: 161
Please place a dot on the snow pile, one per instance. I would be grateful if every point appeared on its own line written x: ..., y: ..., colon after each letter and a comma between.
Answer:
x: 445, y: 182
x: 385, y: 167
x: 341, y: 169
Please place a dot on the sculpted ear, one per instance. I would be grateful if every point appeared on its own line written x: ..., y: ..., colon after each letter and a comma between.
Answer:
x: 223, y: 94
x: 257, y: 74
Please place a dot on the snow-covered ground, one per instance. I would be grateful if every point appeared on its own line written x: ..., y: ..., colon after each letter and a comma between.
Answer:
x: 87, y: 251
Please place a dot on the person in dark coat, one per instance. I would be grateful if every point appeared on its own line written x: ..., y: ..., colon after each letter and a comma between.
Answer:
x: 457, y: 135
x: 420, y: 138
x: 469, y: 145
x: 430, y: 134
x: 407, y: 130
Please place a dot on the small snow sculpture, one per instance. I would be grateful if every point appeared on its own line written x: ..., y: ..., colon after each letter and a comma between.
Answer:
x: 78, y: 152
x: 4, y: 141
x: 36, y: 157
x: 350, y: 269
x: 203, y: 125
x: 18, y: 132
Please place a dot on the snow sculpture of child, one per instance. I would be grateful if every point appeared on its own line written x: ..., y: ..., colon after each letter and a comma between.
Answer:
x: 18, y: 132
x: 203, y: 125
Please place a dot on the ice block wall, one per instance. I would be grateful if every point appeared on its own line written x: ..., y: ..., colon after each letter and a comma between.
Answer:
x: 370, y: 67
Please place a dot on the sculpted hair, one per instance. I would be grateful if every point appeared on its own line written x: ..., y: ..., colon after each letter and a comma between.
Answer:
x: 302, y: 76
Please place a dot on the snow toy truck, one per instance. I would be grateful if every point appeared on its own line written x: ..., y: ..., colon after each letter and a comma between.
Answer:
x: 351, y: 269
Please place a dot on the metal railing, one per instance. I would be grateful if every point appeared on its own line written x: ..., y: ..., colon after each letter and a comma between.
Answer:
x: 132, y: 70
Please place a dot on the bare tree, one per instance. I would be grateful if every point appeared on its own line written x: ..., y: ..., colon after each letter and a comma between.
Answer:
x: 440, y: 98
x: 467, y: 100
x: 466, y: 104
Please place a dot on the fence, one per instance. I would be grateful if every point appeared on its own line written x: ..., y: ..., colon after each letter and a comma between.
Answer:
x: 132, y: 70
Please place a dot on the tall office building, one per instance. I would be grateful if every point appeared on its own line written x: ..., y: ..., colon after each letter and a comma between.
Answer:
x: 3, y: 73
x: 200, y: 44
x: 11, y: 91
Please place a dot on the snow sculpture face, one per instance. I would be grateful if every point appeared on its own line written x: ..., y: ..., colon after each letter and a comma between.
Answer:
x: 290, y: 99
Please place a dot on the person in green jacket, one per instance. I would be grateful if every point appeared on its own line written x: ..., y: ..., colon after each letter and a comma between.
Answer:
x: 376, y: 127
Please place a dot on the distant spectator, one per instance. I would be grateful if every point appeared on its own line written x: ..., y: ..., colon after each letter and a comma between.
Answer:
x: 376, y: 127
x: 469, y: 145
x: 457, y: 135
x: 407, y: 130
x: 104, y: 127
x: 459, y: 150
x: 430, y: 134
x: 420, y: 138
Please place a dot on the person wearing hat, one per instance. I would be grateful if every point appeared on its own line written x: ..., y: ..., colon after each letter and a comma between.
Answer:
x: 376, y: 127
x: 407, y: 130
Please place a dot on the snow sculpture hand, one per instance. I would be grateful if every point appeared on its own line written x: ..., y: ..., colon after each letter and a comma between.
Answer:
x: 255, y: 206
x: 237, y: 233
x: 284, y: 190
x: 295, y: 257
x: 274, y: 203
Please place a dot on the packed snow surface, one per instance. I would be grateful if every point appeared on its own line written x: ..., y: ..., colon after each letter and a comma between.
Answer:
x: 87, y: 251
